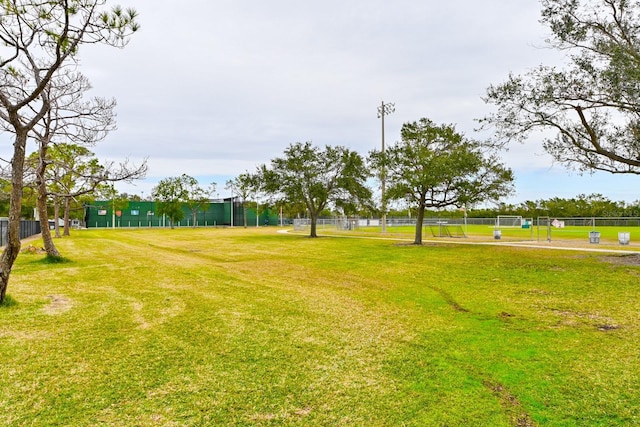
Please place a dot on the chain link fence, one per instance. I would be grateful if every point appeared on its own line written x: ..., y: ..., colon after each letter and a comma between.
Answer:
x: 355, y: 222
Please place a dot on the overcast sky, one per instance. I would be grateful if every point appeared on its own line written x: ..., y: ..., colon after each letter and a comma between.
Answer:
x: 215, y: 88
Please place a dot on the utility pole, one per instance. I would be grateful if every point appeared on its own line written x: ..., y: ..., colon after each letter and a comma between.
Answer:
x: 383, y: 110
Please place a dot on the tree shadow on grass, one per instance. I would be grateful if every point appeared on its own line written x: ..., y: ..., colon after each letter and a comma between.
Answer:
x: 48, y: 259
x: 51, y: 260
x: 8, y: 302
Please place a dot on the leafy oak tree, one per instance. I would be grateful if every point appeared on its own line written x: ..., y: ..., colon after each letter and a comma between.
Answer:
x: 317, y: 178
x: 590, y: 107
x: 433, y: 166
x: 243, y: 186
x: 197, y: 196
x: 37, y: 38
x: 170, y: 195
x: 174, y: 192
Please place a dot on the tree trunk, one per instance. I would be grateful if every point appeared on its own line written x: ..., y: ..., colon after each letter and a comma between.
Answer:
x: 49, y: 246
x: 56, y: 215
x: 47, y: 239
x: 67, y: 214
x: 244, y: 214
x: 314, y: 222
x: 419, y: 221
x: 12, y: 249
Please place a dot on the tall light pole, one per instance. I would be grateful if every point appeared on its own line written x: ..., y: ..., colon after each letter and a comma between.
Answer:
x: 383, y: 110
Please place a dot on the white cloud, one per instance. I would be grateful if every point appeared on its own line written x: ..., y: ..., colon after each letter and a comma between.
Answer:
x: 215, y: 88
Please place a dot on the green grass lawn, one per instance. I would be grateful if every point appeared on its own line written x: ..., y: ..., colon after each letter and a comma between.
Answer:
x: 209, y: 327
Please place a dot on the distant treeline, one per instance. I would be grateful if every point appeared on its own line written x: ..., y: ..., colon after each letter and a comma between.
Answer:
x: 582, y: 206
x: 594, y: 205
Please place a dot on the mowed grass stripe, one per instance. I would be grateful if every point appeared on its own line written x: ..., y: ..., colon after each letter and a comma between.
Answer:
x: 250, y: 327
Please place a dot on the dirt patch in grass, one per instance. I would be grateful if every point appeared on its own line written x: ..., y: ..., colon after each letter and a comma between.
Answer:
x: 59, y: 304
x: 607, y: 327
x: 440, y: 242
x: 629, y: 259
x: 33, y: 250
x: 518, y: 417
x: 269, y: 417
x: 572, y: 318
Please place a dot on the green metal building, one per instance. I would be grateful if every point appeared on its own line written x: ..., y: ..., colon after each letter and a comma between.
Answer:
x: 223, y: 212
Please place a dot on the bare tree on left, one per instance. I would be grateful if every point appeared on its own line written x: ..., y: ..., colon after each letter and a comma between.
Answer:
x: 69, y: 118
x: 37, y: 39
